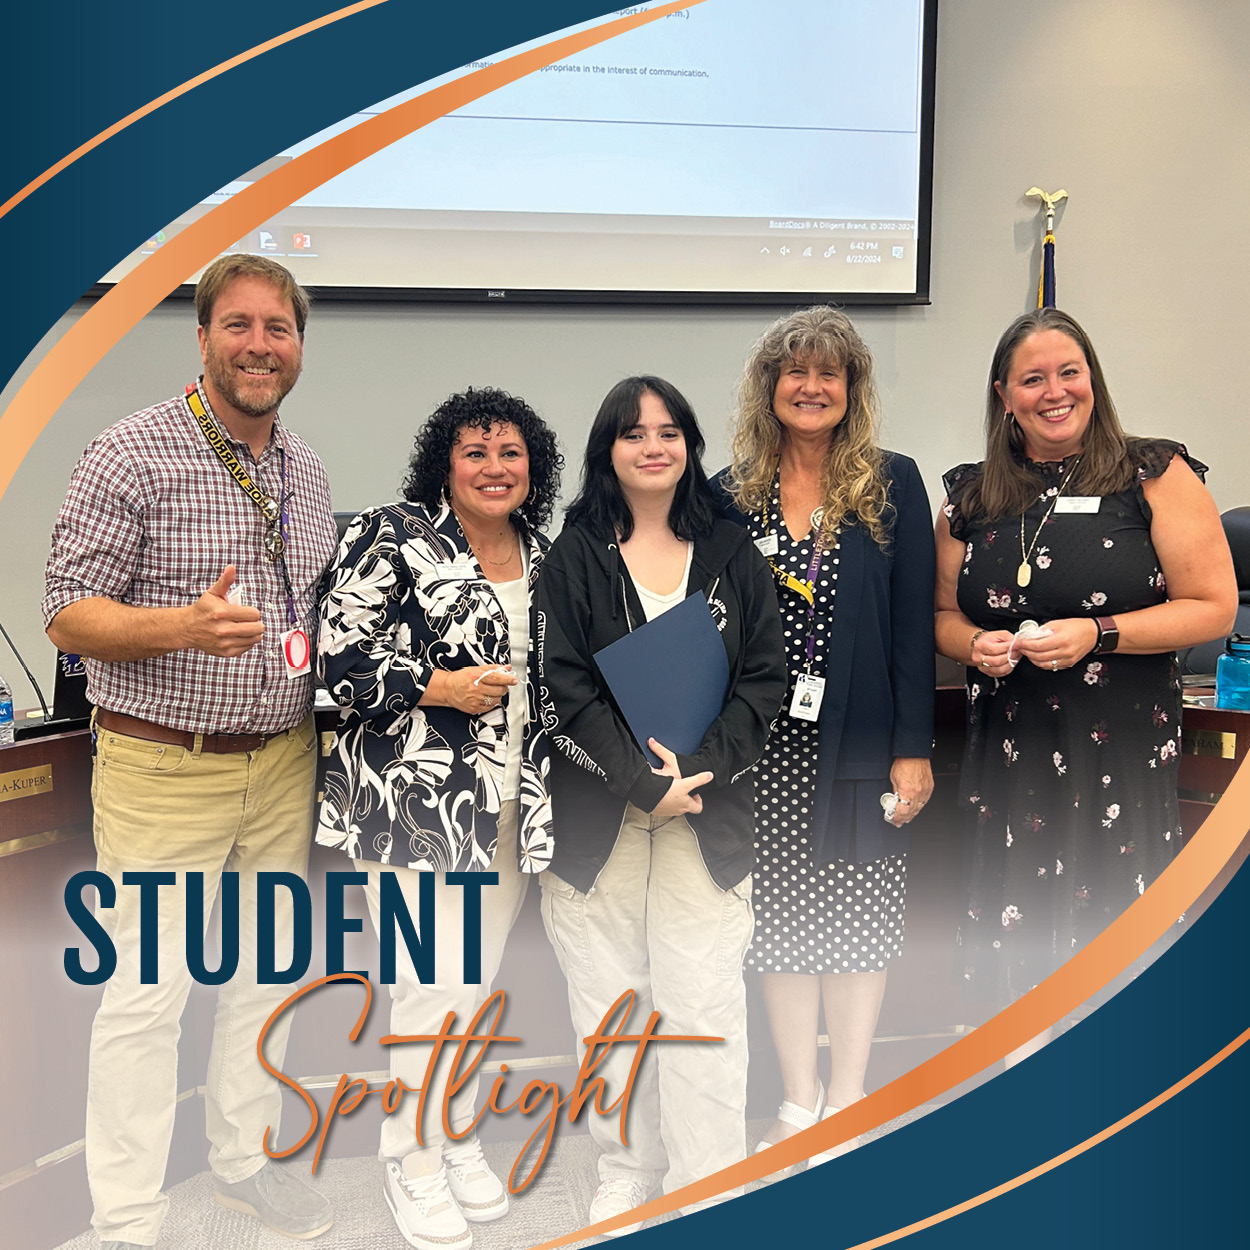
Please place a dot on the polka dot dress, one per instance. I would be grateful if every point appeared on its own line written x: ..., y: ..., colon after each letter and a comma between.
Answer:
x: 840, y: 917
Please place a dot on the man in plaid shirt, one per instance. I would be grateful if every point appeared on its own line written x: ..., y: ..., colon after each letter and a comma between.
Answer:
x: 184, y: 568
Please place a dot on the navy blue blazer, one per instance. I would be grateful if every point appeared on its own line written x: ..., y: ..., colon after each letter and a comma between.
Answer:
x: 878, y: 701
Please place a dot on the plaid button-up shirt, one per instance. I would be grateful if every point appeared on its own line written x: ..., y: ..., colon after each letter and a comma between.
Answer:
x: 151, y: 518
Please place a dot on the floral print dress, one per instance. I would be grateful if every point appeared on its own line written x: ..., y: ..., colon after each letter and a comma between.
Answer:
x: 1069, y: 776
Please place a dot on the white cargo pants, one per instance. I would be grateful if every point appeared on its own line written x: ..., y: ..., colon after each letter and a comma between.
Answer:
x: 656, y: 923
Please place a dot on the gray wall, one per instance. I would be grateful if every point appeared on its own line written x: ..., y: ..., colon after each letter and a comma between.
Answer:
x: 1141, y: 110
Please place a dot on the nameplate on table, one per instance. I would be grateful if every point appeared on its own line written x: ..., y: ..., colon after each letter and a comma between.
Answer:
x: 24, y: 783
x: 1217, y: 743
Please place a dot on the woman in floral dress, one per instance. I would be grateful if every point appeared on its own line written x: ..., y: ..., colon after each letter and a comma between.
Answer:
x: 439, y: 764
x: 1113, y: 547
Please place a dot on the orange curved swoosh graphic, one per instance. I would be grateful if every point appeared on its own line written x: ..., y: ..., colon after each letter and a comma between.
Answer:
x: 161, y: 100
x: 1110, y: 1131
x: 69, y: 361
x: 1142, y: 924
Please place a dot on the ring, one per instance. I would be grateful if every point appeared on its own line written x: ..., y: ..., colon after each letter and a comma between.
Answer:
x: 1054, y: 665
x: 907, y: 801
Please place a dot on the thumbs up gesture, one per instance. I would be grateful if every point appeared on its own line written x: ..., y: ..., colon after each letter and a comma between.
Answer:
x: 216, y: 626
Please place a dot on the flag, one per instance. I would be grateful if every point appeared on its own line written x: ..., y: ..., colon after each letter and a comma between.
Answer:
x: 1046, y: 281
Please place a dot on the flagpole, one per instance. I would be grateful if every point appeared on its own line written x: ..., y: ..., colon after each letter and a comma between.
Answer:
x: 1046, y: 279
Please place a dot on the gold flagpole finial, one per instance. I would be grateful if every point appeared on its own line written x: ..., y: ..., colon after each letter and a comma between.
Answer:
x: 1050, y: 199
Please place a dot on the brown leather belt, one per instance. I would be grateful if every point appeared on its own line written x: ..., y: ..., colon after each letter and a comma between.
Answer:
x: 214, y: 744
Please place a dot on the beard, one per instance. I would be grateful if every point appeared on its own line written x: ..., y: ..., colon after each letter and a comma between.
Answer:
x: 254, y: 396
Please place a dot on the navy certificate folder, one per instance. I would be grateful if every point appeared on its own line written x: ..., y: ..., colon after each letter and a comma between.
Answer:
x: 669, y: 677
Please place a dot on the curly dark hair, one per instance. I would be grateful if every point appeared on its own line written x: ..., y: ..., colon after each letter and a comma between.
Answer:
x: 484, y: 408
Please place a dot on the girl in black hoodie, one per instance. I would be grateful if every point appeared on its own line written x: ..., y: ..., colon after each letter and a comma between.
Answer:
x: 650, y: 887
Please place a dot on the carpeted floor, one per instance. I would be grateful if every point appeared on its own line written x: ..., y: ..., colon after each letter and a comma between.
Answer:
x: 554, y: 1204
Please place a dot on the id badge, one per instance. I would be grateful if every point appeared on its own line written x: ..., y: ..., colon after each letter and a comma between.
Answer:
x: 454, y: 570
x: 808, y: 692
x: 1078, y: 503
x: 767, y: 546
x: 296, y: 653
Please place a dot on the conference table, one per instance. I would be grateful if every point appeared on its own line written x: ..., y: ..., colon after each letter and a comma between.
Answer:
x: 46, y: 837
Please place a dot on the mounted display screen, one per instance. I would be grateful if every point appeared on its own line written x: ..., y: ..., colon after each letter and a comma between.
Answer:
x: 738, y: 151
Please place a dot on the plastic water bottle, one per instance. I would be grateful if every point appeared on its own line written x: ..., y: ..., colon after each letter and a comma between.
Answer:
x: 6, y: 713
x: 1232, y: 674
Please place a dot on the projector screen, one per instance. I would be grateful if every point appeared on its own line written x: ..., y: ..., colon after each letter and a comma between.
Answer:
x: 740, y: 151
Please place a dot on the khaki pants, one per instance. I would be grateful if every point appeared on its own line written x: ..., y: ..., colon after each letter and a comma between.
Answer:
x: 167, y: 808
x: 655, y: 922
x: 421, y: 1009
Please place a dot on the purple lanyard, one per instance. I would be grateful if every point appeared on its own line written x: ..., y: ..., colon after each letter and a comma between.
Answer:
x: 813, y: 571
x: 284, y: 529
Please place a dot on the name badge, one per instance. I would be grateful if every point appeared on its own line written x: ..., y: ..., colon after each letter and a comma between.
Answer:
x: 454, y: 570
x: 1077, y: 503
x: 767, y: 546
x: 296, y: 653
x: 808, y: 693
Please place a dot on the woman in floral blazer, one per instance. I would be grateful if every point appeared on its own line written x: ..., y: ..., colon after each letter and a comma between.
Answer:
x: 439, y: 762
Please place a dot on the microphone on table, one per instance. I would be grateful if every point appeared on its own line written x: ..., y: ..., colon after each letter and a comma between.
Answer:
x: 50, y: 724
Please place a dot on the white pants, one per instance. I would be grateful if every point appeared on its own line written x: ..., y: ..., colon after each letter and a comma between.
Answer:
x: 166, y: 808
x: 421, y: 1009
x: 655, y: 922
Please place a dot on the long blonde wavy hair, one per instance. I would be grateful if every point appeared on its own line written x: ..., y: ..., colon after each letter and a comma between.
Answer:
x: 852, y: 475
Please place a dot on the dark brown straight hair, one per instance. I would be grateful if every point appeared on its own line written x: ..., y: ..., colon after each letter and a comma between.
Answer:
x: 601, y: 506
x: 1007, y: 485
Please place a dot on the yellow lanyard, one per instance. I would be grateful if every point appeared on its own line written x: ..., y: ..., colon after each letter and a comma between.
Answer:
x: 805, y: 590
x: 269, y: 509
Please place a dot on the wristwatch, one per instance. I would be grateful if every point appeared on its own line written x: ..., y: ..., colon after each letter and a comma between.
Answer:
x: 1108, y: 635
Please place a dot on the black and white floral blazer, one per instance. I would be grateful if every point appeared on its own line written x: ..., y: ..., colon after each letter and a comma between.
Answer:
x: 410, y: 786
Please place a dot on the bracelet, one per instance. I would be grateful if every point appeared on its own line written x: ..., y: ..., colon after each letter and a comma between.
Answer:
x: 972, y: 646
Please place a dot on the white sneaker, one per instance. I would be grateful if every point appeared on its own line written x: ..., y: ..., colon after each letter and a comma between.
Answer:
x: 425, y: 1211
x: 707, y: 1203
x: 478, y: 1192
x: 615, y: 1196
x: 842, y: 1148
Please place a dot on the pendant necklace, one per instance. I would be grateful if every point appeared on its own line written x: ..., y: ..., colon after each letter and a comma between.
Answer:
x: 1024, y: 574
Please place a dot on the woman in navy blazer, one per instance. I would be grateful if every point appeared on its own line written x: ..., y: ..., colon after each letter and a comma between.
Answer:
x: 845, y: 526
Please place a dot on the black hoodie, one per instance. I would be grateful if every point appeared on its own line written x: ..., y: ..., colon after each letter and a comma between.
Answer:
x: 585, y: 600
